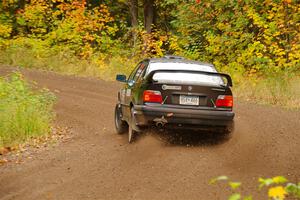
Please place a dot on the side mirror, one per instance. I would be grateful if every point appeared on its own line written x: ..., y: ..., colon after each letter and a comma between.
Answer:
x: 121, y: 78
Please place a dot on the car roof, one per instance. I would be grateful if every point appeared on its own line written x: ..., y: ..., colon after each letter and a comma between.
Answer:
x: 177, y: 59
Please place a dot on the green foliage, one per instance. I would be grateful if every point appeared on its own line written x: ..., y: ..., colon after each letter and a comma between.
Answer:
x: 234, y: 185
x: 24, y: 112
x: 261, y: 36
x: 234, y: 196
x: 293, y: 189
x: 269, y: 181
x: 275, y: 186
x: 61, y: 24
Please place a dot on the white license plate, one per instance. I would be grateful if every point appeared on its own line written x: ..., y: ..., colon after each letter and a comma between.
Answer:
x: 189, y: 100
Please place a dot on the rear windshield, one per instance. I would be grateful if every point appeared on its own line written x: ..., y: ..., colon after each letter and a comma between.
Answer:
x: 184, y: 78
x: 187, y: 78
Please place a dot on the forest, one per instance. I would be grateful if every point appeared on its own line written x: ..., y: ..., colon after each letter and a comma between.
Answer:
x: 257, y: 42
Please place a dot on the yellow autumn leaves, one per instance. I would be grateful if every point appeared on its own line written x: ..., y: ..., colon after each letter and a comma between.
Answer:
x: 278, y: 191
x: 241, y: 35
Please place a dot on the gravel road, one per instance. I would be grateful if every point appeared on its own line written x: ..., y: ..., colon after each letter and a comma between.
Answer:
x: 99, y: 164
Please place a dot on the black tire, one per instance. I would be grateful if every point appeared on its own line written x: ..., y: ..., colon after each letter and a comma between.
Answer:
x: 120, y: 125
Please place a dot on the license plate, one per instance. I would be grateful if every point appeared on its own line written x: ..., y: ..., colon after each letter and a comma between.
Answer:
x: 189, y: 100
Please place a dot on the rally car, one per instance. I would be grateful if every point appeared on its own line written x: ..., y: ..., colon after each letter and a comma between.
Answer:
x: 174, y: 92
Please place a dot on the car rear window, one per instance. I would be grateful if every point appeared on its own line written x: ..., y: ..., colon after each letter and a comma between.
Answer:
x: 184, y: 78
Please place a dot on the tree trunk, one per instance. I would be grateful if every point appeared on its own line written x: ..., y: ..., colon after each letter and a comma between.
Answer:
x: 149, y: 10
x: 134, y: 12
x: 21, y: 4
x: 133, y: 5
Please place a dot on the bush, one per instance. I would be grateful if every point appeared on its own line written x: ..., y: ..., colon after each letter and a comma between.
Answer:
x: 278, y: 188
x: 24, y: 111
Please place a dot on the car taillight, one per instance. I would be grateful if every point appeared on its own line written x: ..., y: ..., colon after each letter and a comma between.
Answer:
x: 224, y: 101
x: 152, y: 96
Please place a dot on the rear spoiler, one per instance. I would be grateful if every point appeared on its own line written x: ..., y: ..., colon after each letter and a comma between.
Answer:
x: 149, y: 77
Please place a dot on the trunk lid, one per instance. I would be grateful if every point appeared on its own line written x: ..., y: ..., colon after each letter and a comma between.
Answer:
x: 188, y: 88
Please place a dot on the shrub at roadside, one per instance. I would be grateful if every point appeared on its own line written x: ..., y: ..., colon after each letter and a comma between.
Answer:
x: 278, y: 188
x: 24, y: 111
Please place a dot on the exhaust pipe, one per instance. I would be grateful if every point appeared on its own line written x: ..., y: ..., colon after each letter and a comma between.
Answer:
x: 159, y: 125
x: 160, y: 122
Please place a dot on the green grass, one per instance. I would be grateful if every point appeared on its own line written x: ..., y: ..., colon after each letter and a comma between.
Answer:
x: 37, y: 55
x: 280, y: 90
x: 25, y: 112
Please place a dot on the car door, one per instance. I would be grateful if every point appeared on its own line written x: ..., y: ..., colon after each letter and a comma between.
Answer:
x: 137, y: 87
x: 126, y: 93
x: 134, y: 82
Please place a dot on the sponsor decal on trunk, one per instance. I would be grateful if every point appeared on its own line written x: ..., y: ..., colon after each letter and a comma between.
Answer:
x: 171, y: 87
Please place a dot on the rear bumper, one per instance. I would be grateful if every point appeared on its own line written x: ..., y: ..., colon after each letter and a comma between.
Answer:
x: 147, y: 114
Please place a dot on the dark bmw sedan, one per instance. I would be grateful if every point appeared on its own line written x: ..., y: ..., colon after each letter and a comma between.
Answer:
x: 173, y: 92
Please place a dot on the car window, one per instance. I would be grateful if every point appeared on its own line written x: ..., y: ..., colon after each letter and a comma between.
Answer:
x: 187, y: 78
x: 140, y: 71
x: 132, y: 75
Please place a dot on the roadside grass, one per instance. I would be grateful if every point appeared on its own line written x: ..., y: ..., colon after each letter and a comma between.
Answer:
x: 25, y: 112
x: 280, y: 89
x: 62, y: 60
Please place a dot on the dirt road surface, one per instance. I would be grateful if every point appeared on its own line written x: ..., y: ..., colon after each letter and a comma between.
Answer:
x: 99, y: 164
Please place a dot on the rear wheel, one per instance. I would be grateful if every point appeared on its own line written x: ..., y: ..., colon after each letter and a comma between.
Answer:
x: 120, y: 125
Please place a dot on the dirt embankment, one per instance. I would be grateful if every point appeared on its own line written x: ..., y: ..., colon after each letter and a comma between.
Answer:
x: 99, y: 164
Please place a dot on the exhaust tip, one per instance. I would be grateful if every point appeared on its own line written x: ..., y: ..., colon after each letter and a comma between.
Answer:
x: 159, y: 124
